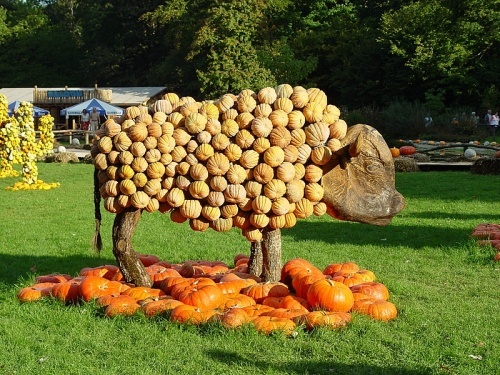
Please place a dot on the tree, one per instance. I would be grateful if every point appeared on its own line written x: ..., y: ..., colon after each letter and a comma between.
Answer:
x: 445, y: 44
x: 225, y: 43
x: 29, y: 56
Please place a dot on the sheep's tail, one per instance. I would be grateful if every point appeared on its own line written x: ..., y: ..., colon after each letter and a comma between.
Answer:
x: 97, y: 240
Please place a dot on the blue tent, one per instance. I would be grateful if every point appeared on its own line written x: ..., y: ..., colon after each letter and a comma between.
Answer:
x: 103, y: 108
x: 37, y: 111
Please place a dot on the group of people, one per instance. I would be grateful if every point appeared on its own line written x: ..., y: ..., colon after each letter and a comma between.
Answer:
x: 492, y: 119
x: 90, y: 120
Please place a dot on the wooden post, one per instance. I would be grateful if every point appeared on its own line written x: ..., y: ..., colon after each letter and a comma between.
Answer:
x: 255, y: 261
x: 271, y: 255
x: 71, y: 133
x: 265, y: 256
x: 123, y: 229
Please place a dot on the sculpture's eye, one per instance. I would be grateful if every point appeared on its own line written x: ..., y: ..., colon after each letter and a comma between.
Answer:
x: 372, y: 166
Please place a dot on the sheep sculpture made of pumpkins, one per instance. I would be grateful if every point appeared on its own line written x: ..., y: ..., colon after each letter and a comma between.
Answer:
x: 257, y: 161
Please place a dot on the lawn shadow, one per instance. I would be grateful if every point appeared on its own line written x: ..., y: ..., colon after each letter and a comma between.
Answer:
x: 492, y: 218
x: 338, y: 232
x: 305, y: 366
x: 16, y: 268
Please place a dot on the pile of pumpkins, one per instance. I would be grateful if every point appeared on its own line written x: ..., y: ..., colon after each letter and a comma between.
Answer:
x: 249, y: 160
x: 199, y: 292
x: 488, y: 234
x: 402, y: 151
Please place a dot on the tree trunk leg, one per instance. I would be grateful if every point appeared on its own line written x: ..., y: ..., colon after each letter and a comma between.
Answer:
x: 255, y: 261
x: 123, y: 229
x: 271, y: 254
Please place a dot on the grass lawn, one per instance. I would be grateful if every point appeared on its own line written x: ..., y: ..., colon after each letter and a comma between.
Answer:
x: 445, y: 287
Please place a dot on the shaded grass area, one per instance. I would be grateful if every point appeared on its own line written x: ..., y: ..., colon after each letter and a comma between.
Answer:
x: 444, y: 285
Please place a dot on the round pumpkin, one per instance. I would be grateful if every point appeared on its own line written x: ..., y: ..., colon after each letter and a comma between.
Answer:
x: 372, y: 288
x: 192, y: 314
x: 260, y: 291
x: 235, y: 317
x: 330, y: 295
x: 35, y: 292
x: 95, y: 286
x: 407, y: 150
x: 395, y: 152
x: 268, y: 324
x: 326, y: 319
x: 161, y: 306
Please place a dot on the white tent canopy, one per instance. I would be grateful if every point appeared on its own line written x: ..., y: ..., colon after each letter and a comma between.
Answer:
x: 37, y: 111
x: 103, y: 108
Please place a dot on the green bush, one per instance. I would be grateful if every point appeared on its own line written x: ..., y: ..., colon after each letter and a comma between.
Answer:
x: 405, y: 120
x: 370, y: 115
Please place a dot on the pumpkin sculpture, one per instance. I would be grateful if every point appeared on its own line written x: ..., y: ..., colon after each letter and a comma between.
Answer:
x: 257, y: 161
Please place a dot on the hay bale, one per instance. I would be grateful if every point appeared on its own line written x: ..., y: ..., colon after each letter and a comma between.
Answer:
x: 420, y: 157
x: 87, y: 159
x: 405, y: 164
x: 486, y: 166
x: 62, y: 157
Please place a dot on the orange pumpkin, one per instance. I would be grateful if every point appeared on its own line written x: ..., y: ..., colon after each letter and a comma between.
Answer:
x: 350, y: 278
x: 121, y: 305
x: 272, y: 301
x: 257, y: 309
x: 107, y: 271
x: 169, y: 282
x: 158, y: 273
x: 294, y: 302
x: 327, y: 319
x: 96, y: 286
x: 148, y: 259
x: 407, y: 150
x: 333, y: 268
x: 395, y: 152
x: 236, y: 300
x: 161, y: 306
x: 382, y: 310
x: 259, y: 291
x: 282, y: 312
x: 192, y: 314
x: 372, y: 288
x: 234, y: 286
x: 201, y: 292
x: 234, y: 318
x: 269, y: 324
x: 361, y: 305
x: 140, y: 293
x: 302, y: 281
x: 52, y: 278
x: 35, y: 292
x: 69, y: 291
x: 330, y: 295
x: 295, y: 266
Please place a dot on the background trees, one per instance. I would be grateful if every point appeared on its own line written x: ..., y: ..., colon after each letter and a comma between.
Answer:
x: 362, y: 54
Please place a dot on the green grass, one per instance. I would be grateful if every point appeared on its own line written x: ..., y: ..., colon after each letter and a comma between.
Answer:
x: 445, y: 287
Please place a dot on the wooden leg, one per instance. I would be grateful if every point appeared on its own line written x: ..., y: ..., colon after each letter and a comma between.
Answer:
x: 255, y: 261
x: 123, y: 229
x: 271, y: 255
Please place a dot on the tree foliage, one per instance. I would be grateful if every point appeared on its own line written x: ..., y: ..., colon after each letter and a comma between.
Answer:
x: 360, y: 53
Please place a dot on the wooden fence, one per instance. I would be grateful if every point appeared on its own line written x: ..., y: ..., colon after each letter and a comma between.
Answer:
x: 72, y: 133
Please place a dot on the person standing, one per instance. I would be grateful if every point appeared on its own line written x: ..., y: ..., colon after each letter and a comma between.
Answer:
x: 95, y: 120
x: 494, y: 119
x: 84, y: 120
x: 487, y: 117
x: 428, y: 121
